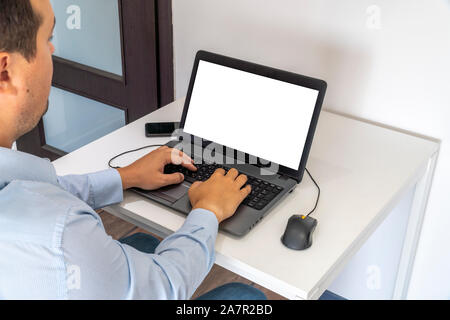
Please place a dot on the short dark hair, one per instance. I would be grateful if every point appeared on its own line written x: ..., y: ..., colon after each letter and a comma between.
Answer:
x: 19, y: 25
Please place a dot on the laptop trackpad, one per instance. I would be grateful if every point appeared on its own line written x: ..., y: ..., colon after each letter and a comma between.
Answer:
x: 171, y: 193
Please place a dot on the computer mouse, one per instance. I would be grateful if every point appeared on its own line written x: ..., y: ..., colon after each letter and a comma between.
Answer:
x: 298, y: 233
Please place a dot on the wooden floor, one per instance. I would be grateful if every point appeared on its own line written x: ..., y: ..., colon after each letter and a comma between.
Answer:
x: 118, y: 228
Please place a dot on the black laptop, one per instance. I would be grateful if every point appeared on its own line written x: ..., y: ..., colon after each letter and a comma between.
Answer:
x: 254, y: 118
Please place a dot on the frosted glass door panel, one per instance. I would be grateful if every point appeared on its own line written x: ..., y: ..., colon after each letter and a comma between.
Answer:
x: 88, y: 32
x: 73, y: 121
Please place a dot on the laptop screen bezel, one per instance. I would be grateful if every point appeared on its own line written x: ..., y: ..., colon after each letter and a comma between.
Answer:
x: 272, y: 73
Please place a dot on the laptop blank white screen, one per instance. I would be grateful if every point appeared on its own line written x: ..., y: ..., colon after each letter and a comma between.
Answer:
x: 264, y: 117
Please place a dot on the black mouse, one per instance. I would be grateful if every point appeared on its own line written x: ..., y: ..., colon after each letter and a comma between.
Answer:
x: 298, y: 233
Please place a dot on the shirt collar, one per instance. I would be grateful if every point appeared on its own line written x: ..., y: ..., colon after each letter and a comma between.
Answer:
x: 16, y: 165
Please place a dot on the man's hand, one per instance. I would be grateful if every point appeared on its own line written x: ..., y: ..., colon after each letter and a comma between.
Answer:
x: 220, y: 194
x: 148, y: 172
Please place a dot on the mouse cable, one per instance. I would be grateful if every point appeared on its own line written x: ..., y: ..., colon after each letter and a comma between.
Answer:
x: 127, y: 152
x: 318, y: 195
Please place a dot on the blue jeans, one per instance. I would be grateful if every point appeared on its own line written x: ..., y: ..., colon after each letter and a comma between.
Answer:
x: 231, y: 291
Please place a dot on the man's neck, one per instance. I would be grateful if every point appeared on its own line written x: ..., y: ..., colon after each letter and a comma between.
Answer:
x: 5, y: 142
x: 7, y: 135
x: 6, y: 145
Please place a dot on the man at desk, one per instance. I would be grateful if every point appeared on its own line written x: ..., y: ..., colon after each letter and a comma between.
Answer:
x: 52, y: 242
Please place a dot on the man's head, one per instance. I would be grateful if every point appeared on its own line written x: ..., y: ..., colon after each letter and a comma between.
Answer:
x: 26, y: 68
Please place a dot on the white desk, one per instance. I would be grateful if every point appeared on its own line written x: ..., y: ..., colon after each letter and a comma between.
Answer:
x: 363, y: 171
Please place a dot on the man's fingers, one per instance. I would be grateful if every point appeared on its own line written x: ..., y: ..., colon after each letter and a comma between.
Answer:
x: 173, y: 178
x: 241, y: 180
x: 232, y: 173
x: 178, y: 157
x: 219, y: 171
x: 244, y: 192
x: 189, y: 165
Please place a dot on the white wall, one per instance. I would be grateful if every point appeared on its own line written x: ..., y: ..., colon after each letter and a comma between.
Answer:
x: 393, y: 70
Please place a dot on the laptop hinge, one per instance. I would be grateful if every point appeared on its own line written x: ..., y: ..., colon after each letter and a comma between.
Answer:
x: 285, y: 177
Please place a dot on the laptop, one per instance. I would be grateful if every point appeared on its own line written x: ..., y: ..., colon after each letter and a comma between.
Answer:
x: 254, y: 118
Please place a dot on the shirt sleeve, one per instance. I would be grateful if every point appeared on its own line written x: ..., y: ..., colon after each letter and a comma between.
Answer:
x: 98, y: 190
x: 109, y: 269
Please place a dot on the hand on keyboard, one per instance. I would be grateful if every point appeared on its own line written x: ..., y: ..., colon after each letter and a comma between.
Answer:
x: 262, y: 192
x: 148, y: 172
x: 221, y: 193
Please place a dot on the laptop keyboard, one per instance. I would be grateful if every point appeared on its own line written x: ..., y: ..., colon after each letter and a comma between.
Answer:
x: 262, y: 193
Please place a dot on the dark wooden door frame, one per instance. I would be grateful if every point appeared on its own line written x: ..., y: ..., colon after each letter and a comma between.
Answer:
x: 165, y: 52
x: 147, y: 57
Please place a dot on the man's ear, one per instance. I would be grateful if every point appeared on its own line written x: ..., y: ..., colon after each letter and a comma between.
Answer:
x: 5, y: 72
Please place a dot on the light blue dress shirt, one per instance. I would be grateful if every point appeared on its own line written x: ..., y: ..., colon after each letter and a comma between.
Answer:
x: 53, y: 244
